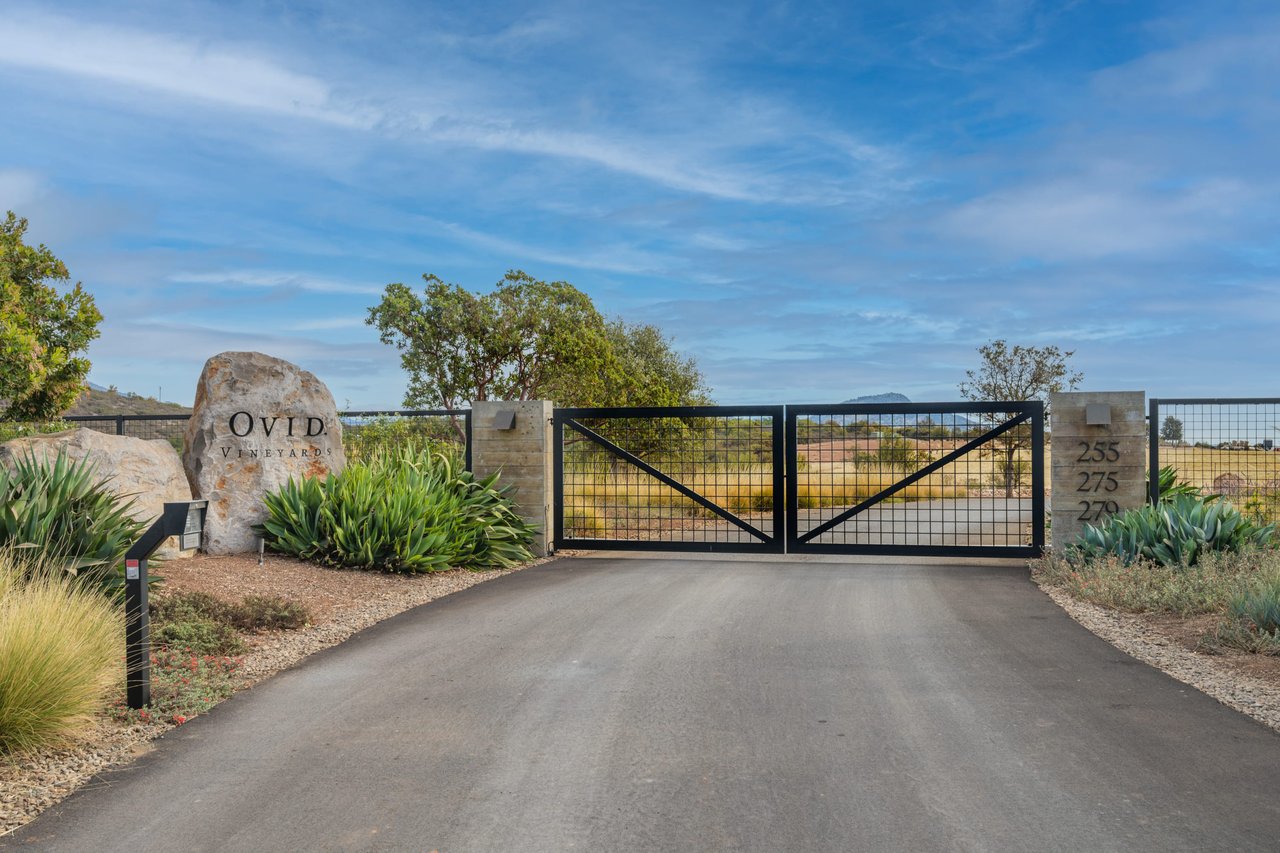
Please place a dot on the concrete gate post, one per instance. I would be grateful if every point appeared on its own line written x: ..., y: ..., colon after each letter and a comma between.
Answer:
x: 515, y: 438
x: 1098, y: 452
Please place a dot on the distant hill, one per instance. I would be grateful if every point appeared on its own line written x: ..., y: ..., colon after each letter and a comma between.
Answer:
x: 948, y: 420
x: 103, y: 401
x: 891, y: 397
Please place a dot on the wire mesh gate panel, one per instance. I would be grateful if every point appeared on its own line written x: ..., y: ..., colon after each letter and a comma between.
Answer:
x: 1229, y: 447
x: 699, y: 478
x: 938, y: 479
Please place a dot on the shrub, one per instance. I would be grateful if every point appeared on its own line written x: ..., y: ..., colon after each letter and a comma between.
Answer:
x: 1139, y: 586
x: 1171, y: 486
x: 205, y: 625
x: 194, y: 623
x: 406, y: 511
x: 269, y: 613
x: 18, y: 429
x: 60, y: 510
x: 362, y: 442
x: 1175, y: 533
x: 1258, y: 606
x: 61, y: 646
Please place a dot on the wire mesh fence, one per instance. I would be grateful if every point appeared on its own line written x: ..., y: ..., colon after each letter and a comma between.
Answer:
x: 1228, y: 447
x: 363, y: 431
x: 701, y: 478
x: 917, y: 478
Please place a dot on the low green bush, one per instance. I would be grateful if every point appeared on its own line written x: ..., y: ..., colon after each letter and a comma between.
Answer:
x: 268, y: 613
x: 1176, y: 532
x: 202, y: 624
x: 59, y: 512
x: 193, y: 623
x: 61, y: 646
x: 1252, y: 619
x: 409, y: 510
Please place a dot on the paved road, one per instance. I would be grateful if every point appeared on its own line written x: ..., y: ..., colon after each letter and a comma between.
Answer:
x: 668, y: 704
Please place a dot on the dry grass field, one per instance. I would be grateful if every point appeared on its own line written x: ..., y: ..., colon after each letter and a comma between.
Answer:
x: 628, y: 503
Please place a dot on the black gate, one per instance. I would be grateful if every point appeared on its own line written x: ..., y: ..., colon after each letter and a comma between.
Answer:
x: 698, y: 478
x: 939, y: 479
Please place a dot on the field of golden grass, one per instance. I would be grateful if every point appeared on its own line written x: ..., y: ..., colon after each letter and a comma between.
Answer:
x: 600, y: 504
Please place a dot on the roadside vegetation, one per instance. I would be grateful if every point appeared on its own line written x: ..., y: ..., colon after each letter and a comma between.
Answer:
x: 407, y: 510
x: 1192, y: 555
x: 62, y: 539
x: 61, y: 650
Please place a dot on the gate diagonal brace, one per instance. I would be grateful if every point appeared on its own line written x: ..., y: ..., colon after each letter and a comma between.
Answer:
x: 663, y: 478
x: 914, y: 478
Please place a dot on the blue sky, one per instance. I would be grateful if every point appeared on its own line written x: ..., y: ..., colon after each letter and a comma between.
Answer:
x: 816, y: 201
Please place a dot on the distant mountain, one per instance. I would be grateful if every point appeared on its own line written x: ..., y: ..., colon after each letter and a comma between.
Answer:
x: 891, y: 397
x: 94, y: 387
x: 950, y: 420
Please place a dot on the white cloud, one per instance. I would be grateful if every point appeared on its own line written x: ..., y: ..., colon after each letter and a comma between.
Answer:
x: 170, y: 64
x: 696, y: 158
x: 271, y: 279
x: 1095, y: 216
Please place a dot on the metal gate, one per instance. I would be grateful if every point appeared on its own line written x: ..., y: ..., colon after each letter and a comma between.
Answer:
x: 698, y: 478
x: 943, y: 479
x: 937, y: 479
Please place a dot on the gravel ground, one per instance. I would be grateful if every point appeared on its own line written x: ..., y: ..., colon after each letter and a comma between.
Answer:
x: 340, y: 602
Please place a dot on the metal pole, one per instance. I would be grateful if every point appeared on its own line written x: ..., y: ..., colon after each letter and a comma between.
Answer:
x: 137, y: 634
x: 1153, y: 451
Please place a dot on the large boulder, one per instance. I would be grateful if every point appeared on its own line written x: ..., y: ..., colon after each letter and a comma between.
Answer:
x: 257, y: 422
x: 149, y: 472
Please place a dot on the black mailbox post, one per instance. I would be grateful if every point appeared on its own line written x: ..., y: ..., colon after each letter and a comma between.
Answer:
x: 184, y: 519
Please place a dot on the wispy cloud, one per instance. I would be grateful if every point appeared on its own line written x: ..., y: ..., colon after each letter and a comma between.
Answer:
x: 269, y: 279
x: 170, y: 64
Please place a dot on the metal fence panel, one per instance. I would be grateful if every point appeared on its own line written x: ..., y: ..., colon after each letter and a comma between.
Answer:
x: 936, y: 479
x: 696, y: 478
x: 1224, y: 446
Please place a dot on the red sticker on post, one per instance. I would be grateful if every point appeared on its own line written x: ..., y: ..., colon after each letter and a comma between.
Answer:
x: 131, y: 571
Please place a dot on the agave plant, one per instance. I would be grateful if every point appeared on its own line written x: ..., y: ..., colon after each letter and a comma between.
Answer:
x: 407, y: 510
x: 1176, y: 532
x: 61, y: 511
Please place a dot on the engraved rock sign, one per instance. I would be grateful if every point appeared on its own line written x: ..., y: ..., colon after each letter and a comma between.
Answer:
x: 257, y: 421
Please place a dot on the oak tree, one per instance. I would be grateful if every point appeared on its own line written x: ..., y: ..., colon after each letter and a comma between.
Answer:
x: 527, y: 339
x: 43, y: 329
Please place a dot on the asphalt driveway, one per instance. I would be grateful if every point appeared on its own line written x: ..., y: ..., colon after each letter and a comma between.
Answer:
x: 672, y: 704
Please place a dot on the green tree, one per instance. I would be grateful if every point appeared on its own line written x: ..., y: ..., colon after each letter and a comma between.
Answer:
x: 527, y: 339
x: 1171, y: 430
x: 41, y: 330
x: 1017, y: 373
x: 637, y: 368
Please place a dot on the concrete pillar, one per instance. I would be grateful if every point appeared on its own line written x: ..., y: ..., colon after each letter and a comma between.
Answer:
x: 522, y: 452
x: 1098, y: 453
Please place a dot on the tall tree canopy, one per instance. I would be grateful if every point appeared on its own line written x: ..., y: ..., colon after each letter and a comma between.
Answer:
x: 527, y: 339
x: 41, y: 330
